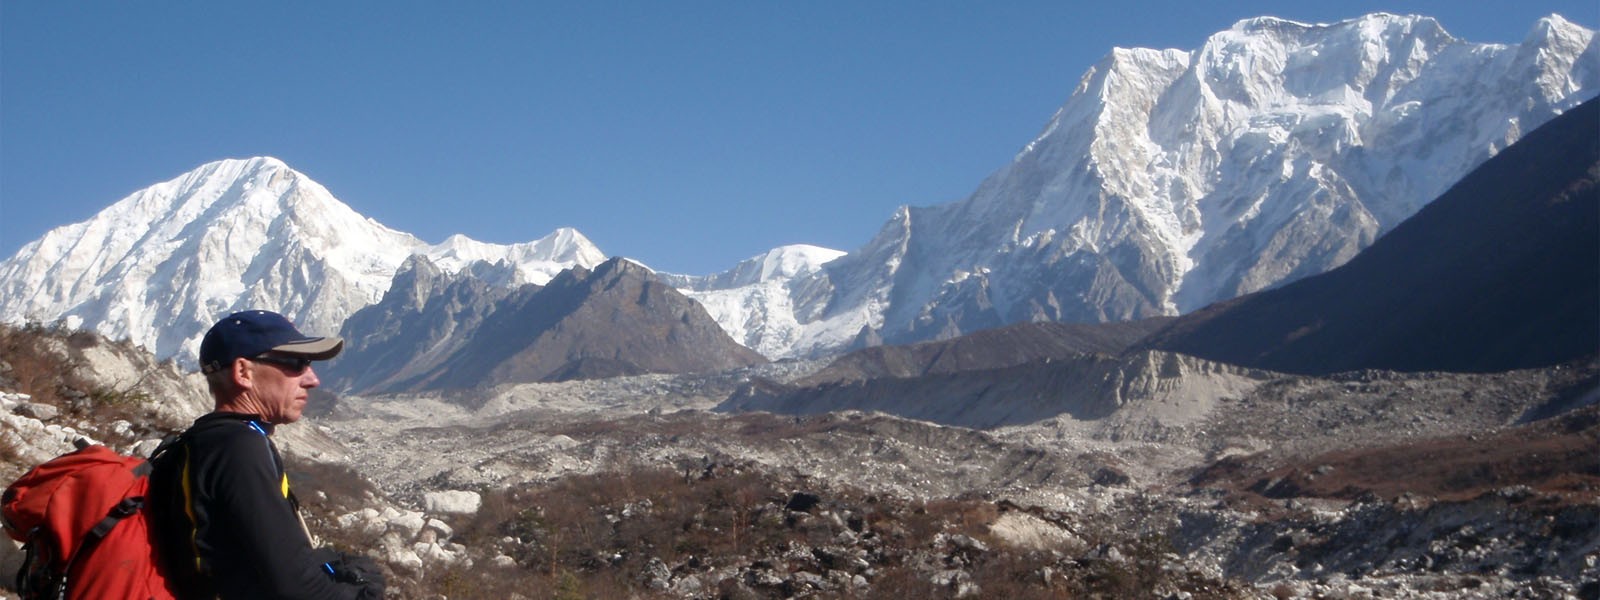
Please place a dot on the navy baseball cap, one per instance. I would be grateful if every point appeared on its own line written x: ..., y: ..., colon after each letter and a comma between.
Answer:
x: 256, y: 332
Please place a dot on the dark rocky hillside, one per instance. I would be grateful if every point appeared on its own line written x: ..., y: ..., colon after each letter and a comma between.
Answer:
x: 1501, y: 272
x: 417, y: 324
x: 615, y: 320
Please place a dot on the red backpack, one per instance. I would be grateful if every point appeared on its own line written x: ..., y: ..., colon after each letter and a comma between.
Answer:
x: 82, y: 519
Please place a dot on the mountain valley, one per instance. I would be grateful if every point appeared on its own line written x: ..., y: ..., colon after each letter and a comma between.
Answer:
x: 1169, y: 180
x: 1283, y: 316
x: 1266, y: 488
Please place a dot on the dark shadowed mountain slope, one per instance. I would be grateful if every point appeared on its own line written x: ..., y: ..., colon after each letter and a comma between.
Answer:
x: 425, y: 317
x: 615, y: 320
x: 1501, y: 272
x: 986, y: 349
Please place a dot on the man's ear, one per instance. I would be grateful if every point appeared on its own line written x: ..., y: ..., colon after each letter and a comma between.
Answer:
x: 243, y: 374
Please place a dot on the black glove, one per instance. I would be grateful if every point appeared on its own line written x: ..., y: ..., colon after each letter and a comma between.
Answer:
x: 358, y: 570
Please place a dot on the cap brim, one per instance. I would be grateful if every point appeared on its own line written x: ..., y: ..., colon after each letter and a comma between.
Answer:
x: 314, y: 348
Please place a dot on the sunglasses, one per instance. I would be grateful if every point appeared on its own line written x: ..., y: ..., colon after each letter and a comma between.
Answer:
x: 292, y: 365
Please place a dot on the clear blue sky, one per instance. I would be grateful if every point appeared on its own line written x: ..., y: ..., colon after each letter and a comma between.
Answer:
x: 688, y: 135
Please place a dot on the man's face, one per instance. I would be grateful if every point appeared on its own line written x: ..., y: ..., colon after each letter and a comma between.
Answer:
x: 282, y: 386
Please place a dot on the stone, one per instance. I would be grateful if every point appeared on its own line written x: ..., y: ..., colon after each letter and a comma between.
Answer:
x: 407, y: 524
x: 433, y: 553
x: 404, y: 560
x: 657, y: 576
x: 36, y: 410
x: 440, y: 527
x: 452, y: 502
x: 966, y: 542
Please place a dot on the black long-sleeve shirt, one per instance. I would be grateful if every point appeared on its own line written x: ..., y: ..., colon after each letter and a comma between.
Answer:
x: 224, y: 520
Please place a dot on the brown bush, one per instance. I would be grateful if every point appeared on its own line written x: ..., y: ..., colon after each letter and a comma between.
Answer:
x: 35, y: 369
x: 336, y: 486
x: 42, y: 365
x: 594, y: 536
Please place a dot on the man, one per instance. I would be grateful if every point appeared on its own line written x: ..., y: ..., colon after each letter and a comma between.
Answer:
x: 224, y: 520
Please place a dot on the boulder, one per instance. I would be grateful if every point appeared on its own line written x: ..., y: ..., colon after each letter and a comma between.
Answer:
x: 36, y: 410
x: 408, y: 524
x: 452, y: 502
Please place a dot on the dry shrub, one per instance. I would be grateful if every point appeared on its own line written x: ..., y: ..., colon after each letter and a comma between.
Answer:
x: 42, y: 365
x: 901, y: 582
x: 339, y: 487
x: 326, y: 490
x: 35, y: 368
x: 597, y: 533
x: 595, y: 536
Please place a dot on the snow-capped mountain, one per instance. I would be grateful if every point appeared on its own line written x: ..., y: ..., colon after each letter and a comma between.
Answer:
x: 159, y: 266
x: 1171, y: 179
x: 1168, y: 180
x: 1499, y: 273
x: 761, y: 301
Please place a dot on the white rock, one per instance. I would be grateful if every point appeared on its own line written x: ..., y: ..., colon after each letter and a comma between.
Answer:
x: 348, y: 520
x: 434, y: 553
x: 407, y: 524
x: 404, y: 560
x: 440, y: 527
x: 373, y: 525
x: 452, y: 502
x: 35, y: 410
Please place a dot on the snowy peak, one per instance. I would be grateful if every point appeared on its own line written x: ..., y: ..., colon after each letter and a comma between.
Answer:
x: 536, y: 262
x: 781, y: 263
x: 160, y: 265
x: 1181, y: 139
x: 1557, y: 32
x: 1563, y: 53
x: 1265, y: 62
x: 794, y: 260
x: 1172, y: 179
